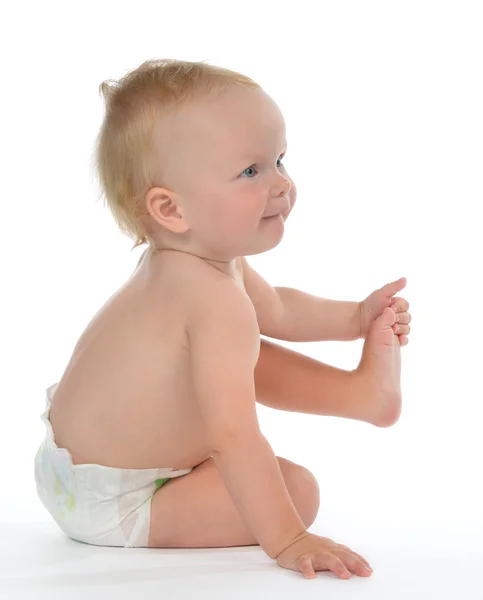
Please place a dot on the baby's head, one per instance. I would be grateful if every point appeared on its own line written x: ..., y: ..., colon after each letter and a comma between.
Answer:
x: 188, y: 158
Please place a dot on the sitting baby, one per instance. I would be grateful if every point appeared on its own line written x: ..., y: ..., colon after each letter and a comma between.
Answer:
x: 152, y: 438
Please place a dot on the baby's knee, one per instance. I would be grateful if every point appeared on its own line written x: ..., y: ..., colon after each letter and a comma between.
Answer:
x: 303, y: 489
x: 311, y: 500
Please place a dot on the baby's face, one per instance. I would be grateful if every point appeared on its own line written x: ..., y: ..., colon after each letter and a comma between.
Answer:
x: 226, y: 162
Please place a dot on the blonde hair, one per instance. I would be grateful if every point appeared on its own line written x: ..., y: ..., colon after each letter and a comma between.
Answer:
x: 123, y: 155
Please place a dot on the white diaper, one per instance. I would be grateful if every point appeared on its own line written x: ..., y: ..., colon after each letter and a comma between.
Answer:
x: 94, y: 504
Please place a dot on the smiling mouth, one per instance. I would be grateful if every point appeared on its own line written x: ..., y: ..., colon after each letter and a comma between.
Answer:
x: 280, y: 214
x: 283, y: 214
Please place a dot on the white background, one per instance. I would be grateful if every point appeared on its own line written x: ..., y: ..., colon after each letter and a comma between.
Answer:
x: 383, y: 106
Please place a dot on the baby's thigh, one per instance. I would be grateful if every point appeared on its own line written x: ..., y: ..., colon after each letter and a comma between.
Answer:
x: 196, y: 510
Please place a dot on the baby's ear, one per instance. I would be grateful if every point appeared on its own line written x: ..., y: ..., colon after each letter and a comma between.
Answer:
x: 164, y: 208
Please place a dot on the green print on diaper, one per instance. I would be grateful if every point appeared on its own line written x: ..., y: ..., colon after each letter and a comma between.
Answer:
x: 159, y: 482
x: 68, y: 500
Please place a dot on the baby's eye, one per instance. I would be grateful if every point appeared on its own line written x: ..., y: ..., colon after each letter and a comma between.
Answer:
x: 248, y: 170
x: 279, y: 160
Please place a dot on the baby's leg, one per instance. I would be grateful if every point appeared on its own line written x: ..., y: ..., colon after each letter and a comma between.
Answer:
x: 289, y: 380
x: 196, y: 510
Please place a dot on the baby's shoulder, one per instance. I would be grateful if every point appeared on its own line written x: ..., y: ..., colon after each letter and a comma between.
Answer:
x: 201, y: 287
x: 180, y: 279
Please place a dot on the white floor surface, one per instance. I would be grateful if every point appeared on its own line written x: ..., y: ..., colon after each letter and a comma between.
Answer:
x: 39, y: 562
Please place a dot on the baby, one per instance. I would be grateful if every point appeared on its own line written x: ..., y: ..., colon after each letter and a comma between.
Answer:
x: 152, y: 438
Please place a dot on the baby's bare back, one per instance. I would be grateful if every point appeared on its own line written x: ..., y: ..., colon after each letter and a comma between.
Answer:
x: 126, y: 398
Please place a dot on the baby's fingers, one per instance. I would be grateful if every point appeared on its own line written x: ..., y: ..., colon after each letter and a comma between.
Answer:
x: 361, y: 558
x: 399, y: 304
x: 306, y: 568
x: 356, y: 564
x: 325, y: 562
x: 403, y: 340
x: 336, y: 566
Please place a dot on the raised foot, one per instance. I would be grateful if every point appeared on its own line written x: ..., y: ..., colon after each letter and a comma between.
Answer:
x: 379, y: 372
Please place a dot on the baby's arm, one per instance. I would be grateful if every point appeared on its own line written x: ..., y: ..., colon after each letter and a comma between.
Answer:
x: 309, y: 318
x: 224, y: 343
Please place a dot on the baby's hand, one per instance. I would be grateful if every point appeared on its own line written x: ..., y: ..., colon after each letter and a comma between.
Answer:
x: 310, y: 553
x: 373, y: 306
x: 401, y: 327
